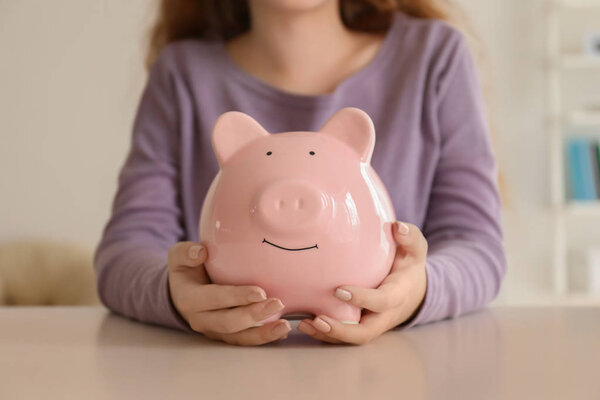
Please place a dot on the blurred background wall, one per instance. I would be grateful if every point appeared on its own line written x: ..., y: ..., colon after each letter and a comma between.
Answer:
x: 72, y: 73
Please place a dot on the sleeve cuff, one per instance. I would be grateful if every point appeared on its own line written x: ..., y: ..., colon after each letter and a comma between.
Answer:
x: 425, y: 312
x: 172, y: 318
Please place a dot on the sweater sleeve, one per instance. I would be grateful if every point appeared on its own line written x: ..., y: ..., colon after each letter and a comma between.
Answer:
x: 465, y: 264
x: 131, y: 259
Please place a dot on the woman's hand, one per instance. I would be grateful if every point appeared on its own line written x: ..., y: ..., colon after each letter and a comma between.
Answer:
x: 395, y: 301
x: 220, y: 312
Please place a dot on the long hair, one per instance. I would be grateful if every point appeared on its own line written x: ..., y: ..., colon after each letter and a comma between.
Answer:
x: 225, y: 19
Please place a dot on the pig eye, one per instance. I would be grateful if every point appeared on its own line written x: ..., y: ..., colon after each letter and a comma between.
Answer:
x: 312, y: 153
x: 269, y: 153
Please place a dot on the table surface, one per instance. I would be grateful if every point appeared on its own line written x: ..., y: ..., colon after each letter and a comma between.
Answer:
x: 497, y: 353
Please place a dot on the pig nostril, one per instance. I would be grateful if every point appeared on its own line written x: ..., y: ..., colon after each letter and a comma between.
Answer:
x: 280, y: 204
x: 299, y: 204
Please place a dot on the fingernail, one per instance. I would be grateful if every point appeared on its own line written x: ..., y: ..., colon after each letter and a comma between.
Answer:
x: 273, y: 306
x: 257, y: 296
x: 195, y: 251
x: 402, y: 228
x: 343, y: 294
x: 321, y: 325
x: 306, y: 328
x: 281, y: 329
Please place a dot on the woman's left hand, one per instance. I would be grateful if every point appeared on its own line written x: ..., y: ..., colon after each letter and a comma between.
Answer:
x: 395, y: 301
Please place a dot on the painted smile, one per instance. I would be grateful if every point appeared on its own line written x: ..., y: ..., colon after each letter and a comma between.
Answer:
x: 285, y: 248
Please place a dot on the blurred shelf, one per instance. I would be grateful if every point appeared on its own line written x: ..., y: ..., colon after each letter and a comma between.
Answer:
x: 585, y: 117
x: 586, y: 4
x: 579, y: 61
x: 563, y: 64
x: 585, y: 209
x: 581, y: 117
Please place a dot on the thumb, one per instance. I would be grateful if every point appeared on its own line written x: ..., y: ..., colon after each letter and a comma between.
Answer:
x: 410, y: 239
x: 188, y: 254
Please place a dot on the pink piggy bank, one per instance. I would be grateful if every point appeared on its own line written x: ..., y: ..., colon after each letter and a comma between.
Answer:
x: 298, y: 213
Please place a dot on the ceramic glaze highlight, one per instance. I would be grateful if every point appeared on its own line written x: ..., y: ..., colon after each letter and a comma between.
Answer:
x: 298, y: 213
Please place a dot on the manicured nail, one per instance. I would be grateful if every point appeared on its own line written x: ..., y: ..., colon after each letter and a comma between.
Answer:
x: 343, y: 294
x: 255, y: 297
x: 321, y: 325
x: 306, y: 328
x: 402, y: 228
x: 281, y: 329
x: 195, y: 251
x: 273, y: 306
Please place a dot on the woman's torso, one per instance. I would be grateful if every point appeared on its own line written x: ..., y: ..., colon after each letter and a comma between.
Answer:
x: 397, y: 89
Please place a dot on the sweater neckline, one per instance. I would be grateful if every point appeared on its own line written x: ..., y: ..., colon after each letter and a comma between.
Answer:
x: 280, y: 95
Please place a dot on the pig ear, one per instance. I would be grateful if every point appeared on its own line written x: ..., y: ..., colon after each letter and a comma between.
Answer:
x: 354, y: 127
x: 232, y: 131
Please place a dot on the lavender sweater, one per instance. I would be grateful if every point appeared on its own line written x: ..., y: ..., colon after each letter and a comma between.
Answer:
x: 432, y: 152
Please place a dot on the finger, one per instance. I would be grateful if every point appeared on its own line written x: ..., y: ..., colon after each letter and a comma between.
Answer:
x: 361, y: 333
x: 267, y: 333
x: 188, y: 254
x: 306, y: 327
x: 235, y: 319
x: 410, y: 238
x: 388, y: 295
x: 200, y: 296
x: 217, y: 297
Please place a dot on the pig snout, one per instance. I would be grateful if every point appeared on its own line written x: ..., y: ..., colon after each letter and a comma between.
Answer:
x: 291, y: 206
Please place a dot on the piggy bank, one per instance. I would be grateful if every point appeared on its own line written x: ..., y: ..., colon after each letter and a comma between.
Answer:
x: 298, y: 213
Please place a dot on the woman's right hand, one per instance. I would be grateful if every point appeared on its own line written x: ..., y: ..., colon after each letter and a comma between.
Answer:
x: 220, y: 312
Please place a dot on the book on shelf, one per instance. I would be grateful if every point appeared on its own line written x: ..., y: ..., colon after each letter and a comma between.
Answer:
x: 583, y: 163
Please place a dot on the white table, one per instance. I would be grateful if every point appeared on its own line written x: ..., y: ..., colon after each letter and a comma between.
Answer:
x: 499, y: 353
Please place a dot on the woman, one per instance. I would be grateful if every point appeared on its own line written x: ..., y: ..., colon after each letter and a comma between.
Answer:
x: 291, y: 64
